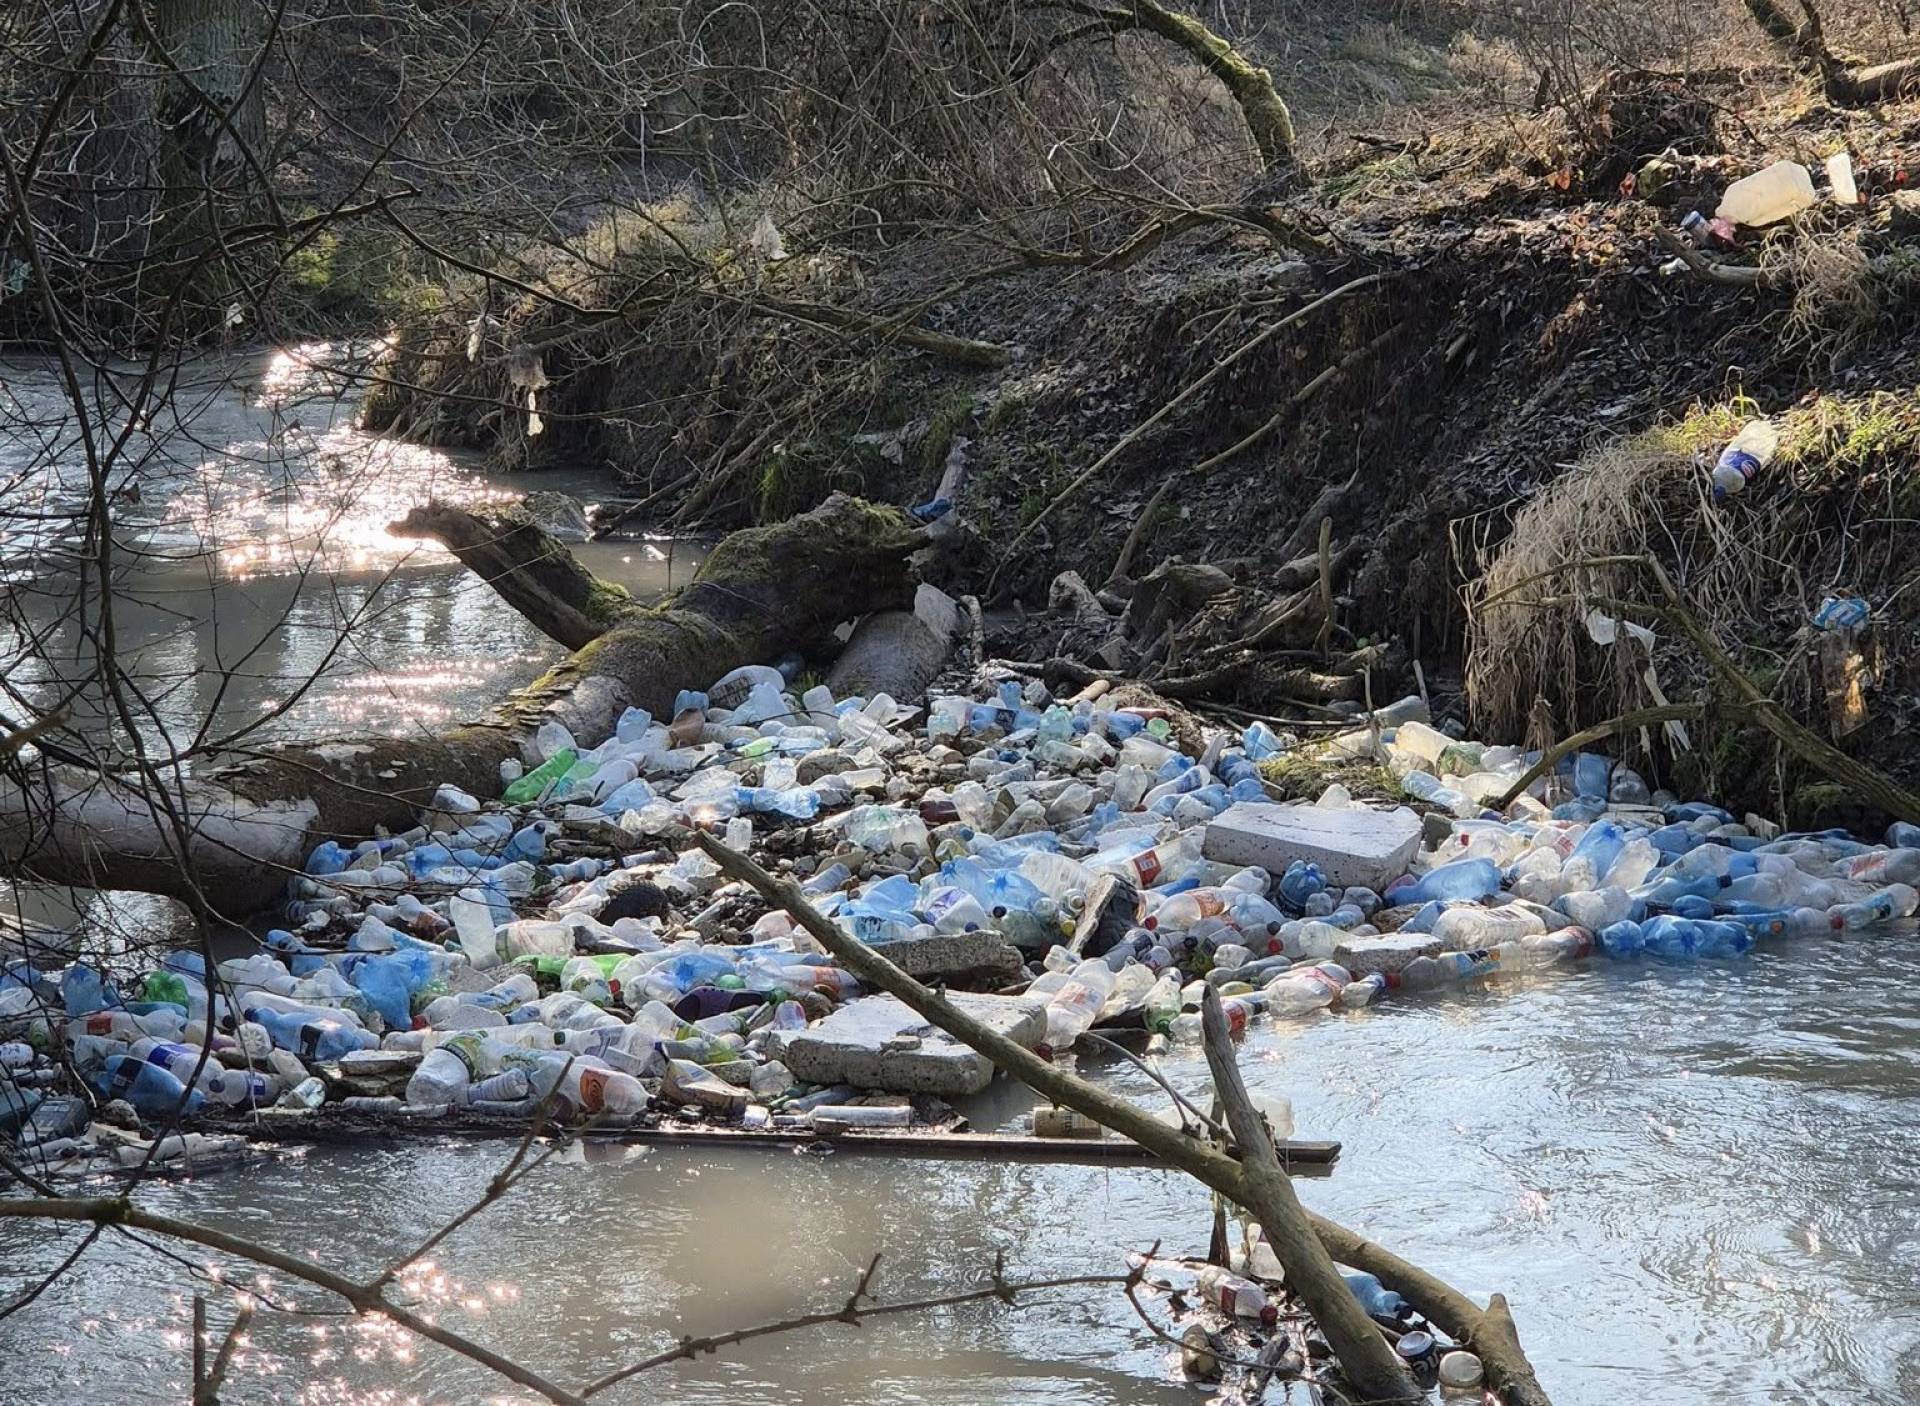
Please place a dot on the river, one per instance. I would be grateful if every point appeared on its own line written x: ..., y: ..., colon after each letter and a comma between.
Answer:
x: 1696, y: 1186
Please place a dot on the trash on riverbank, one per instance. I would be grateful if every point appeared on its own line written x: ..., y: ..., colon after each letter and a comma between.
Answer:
x: 1084, y: 864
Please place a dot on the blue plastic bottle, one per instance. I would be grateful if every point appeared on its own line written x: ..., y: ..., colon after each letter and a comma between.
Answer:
x: 1601, y: 845
x: 1622, y: 941
x: 153, y: 1091
x: 1688, y: 939
x: 327, y: 858
x: 1301, y: 881
x: 84, y: 990
x: 1464, y: 878
x: 1664, y: 892
x: 1376, y: 1298
x: 1591, y: 775
x: 310, y: 1039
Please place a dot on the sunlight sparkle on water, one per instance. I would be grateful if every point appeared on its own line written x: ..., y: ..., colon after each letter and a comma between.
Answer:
x: 317, y: 493
x: 322, y: 502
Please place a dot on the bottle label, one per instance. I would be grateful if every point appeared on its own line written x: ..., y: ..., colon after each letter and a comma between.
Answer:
x: 593, y: 1089
x: 1321, y: 979
x: 1741, y: 460
x: 1147, y: 866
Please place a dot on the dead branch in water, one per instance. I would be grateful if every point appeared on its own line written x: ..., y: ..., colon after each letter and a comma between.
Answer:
x: 1507, y: 1366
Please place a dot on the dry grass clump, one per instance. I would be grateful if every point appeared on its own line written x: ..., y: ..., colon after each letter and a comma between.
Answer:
x: 1837, y: 303
x: 1838, y: 512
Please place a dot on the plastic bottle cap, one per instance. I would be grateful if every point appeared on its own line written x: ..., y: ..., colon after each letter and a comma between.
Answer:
x: 1461, y: 1369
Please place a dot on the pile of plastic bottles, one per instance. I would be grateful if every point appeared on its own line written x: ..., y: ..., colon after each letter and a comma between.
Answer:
x: 493, y: 959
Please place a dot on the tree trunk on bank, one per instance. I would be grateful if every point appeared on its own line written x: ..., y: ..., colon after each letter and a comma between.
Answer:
x: 239, y: 831
x: 211, y: 149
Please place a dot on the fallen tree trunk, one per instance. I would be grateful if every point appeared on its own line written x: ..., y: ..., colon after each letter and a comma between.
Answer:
x: 1848, y: 83
x: 235, y: 833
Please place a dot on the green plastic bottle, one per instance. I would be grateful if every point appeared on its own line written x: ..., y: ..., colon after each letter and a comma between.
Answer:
x: 533, y: 785
x: 165, y: 986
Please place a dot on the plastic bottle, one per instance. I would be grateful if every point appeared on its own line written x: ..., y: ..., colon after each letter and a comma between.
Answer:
x: 1379, y: 1301
x: 1073, y: 1007
x: 1890, y: 904
x: 796, y: 802
x: 1148, y: 867
x: 952, y: 910
x: 1467, y: 928
x: 1543, y: 949
x: 309, y: 1094
x: 1426, y: 787
x: 1886, y: 866
x: 310, y: 1036
x: 592, y: 1087
x: 445, y: 1072
x: 1162, y: 1003
x: 1234, y: 1295
x: 84, y: 990
x: 1301, y: 881
x: 1685, y: 939
x: 1463, y: 878
x: 535, y: 784
x: 1746, y: 455
x: 1303, y: 989
x: 153, y: 1091
x: 184, y: 1062
x: 242, y: 1087
x: 1362, y: 992
x: 1768, y: 196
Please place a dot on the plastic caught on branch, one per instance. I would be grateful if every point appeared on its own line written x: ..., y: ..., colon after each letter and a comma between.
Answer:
x: 766, y: 241
x: 1604, y: 629
x: 525, y: 371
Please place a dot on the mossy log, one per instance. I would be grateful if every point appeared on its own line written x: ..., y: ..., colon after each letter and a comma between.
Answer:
x: 236, y: 832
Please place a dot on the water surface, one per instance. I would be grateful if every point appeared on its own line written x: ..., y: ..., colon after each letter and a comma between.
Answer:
x: 1695, y: 1185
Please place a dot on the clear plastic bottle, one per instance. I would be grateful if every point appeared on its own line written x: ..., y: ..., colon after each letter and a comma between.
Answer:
x: 1237, y: 1296
x: 1885, y: 866
x: 1748, y: 453
x: 1073, y: 1007
x: 1427, y: 787
x: 1302, y: 989
x: 1463, y: 929
x: 1894, y: 902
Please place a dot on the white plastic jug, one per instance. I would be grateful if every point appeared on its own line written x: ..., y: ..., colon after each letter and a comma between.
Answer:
x: 1766, y: 197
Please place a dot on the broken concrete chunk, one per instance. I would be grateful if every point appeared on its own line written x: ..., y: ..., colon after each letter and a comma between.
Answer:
x: 686, y: 1082
x: 1369, y: 848
x: 1112, y: 906
x: 1385, y: 953
x: 860, y: 1044
x: 980, y: 956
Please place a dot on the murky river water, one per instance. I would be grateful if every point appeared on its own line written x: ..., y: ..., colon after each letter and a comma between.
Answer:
x: 1697, y: 1187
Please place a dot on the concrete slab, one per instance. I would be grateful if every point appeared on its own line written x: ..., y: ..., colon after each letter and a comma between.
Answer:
x: 1386, y: 952
x: 982, y: 956
x: 877, y: 1042
x: 1366, y: 847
